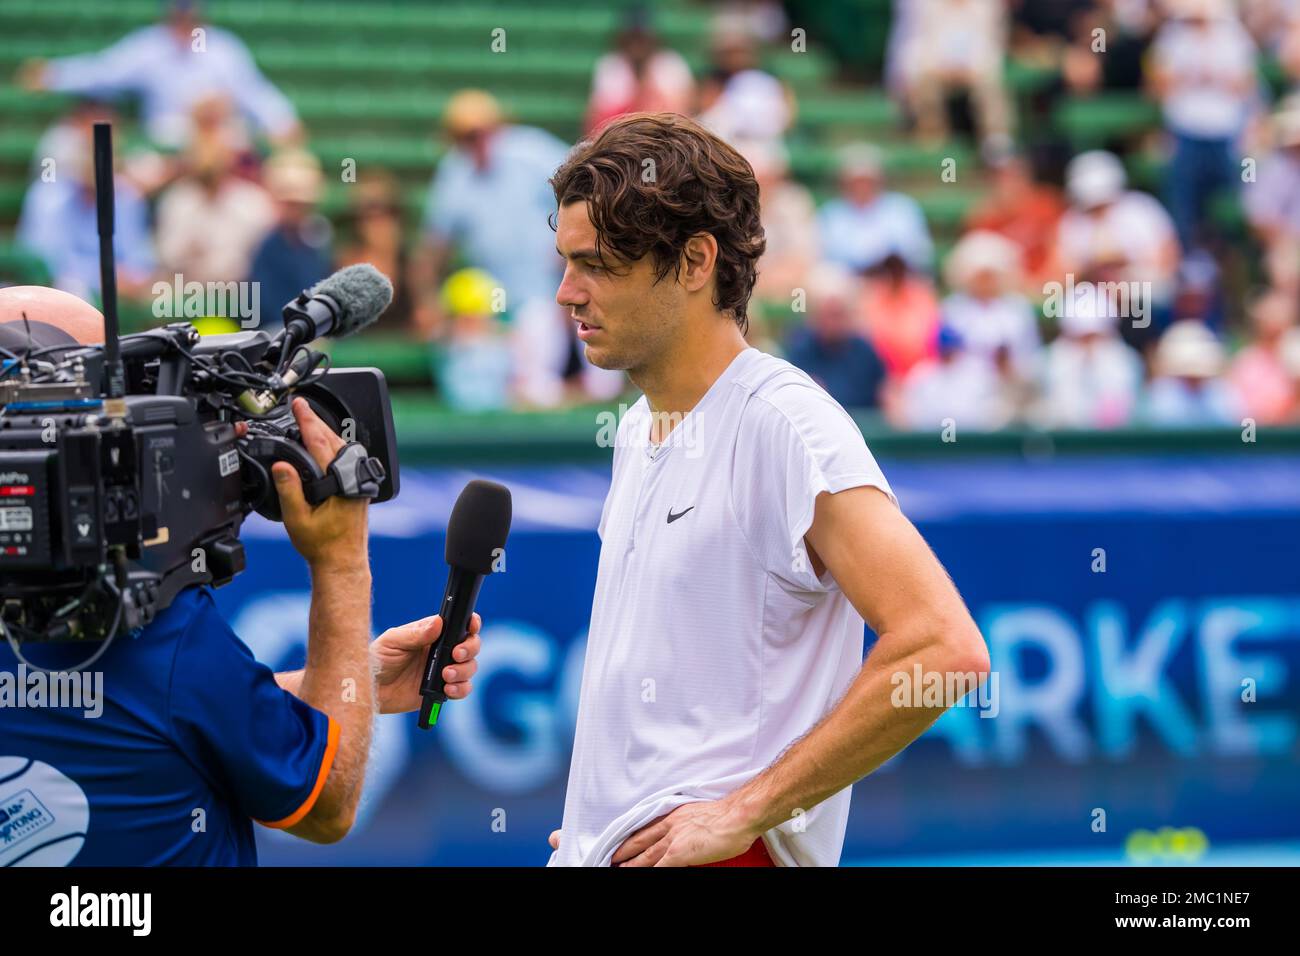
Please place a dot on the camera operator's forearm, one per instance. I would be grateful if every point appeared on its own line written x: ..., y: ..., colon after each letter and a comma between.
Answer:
x: 338, y: 681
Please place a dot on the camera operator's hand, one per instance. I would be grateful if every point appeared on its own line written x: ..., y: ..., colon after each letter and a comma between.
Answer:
x: 398, y: 655
x: 334, y: 531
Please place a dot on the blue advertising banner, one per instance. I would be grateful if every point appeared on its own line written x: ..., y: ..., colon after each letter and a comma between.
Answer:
x: 1143, y: 620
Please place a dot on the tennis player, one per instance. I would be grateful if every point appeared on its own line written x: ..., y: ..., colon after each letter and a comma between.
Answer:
x: 725, y: 707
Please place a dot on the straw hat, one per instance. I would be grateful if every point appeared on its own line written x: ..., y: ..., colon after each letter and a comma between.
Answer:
x: 1189, y: 350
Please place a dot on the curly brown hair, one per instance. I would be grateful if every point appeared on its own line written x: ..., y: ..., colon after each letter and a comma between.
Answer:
x: 654, y: 180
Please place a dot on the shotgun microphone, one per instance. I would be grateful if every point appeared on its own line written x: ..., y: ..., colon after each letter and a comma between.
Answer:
x: 476, y: 538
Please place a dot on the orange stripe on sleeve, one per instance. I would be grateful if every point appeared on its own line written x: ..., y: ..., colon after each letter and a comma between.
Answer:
x: 327, y: 761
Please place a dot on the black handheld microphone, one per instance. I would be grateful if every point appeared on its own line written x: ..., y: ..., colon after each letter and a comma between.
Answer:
x: 476, y: 537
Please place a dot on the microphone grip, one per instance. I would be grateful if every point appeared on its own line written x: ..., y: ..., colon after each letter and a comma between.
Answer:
x: 457, y: 607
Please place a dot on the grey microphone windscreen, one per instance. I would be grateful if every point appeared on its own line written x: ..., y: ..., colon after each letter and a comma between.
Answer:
x: 362, y: 292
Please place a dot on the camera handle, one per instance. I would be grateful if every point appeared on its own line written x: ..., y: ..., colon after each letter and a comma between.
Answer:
x: 352, y: 474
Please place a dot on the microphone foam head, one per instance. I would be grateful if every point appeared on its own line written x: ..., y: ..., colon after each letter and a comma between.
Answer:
x: 479, y: 524
x: 362, y: 292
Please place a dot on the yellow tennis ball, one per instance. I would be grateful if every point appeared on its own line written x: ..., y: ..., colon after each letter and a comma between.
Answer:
x: 215, y: 325
x: 469, y: 292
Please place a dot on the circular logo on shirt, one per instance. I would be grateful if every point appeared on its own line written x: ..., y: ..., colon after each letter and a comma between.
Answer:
x: 44, y: 814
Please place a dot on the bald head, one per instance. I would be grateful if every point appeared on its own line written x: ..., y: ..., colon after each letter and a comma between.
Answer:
x: 62, y: 310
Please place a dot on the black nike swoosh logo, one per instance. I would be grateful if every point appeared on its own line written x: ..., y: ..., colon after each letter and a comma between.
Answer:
x: 673, y: 517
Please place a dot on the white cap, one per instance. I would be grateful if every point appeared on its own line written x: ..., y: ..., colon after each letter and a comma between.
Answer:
x: 982, y: 251
x: 829, y: 282
x: 1189, y: 350
x: 1095, y: 177
x: 860, y: 159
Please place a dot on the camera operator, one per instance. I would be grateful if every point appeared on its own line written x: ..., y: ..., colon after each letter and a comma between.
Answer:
x: 189, y: 739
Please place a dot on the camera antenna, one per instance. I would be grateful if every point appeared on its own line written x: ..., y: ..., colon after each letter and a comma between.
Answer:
x: 114, y: 373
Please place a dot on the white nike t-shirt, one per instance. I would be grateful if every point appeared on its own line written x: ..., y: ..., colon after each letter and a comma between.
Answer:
x: 713, y: 644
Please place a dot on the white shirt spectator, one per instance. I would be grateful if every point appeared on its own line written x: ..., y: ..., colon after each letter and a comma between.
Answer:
x: 1135, y: 229
x: 1273, y: 201
x: 1090, y: 383
x: 962, y: 388
x: 1175, y: 402
x: 212, y: 238
x: 171, y: 77
x: 858, y: 237
x: 987, y: 325
x: 752, y: 106
x: 1208, y: 68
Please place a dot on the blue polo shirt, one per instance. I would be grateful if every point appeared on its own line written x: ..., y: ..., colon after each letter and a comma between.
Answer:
x: 188, y: 741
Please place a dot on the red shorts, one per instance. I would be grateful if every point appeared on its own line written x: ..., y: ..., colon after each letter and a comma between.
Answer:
x: 756, y: 855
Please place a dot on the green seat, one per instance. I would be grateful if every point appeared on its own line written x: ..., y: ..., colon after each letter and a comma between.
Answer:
x: 1090, y: 122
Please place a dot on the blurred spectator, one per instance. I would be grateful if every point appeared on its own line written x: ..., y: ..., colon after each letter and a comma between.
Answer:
x: 829, y: 347
x: 956, y: 46
x: 864, y: 224
x: 377, y: 236
x: 901, y: 315
x: 957, y: 385
x: 211, y: 221
x: 639, y: 75
x: 1186, y: 389
x: 985, y: 308
x: 58, y: 224
x: 1285, y: 42
x: 1272, y: 202
x: 295, y: 254
x: 1264, y: 385
x: 1111, y: 234
x: 789, y: 222
x: 1290, y: 353
x: 473, y: 365
x: 171, y: 66
x: 63, y: 144
x: 490, y: 201
x: 763, y: 19
x: 1040, y: 30
x: 1108, y: 45
x: 1203, y: 72
x: 1091, y: 378
x: 1024, y: 211
x: 1199, y: 289
x: 738, y: 100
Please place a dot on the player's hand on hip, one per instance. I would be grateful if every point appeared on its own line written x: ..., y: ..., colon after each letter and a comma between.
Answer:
x: 334, y: 531
x: 398, y: 657
x: 554, y: 839
x: 694, y: 833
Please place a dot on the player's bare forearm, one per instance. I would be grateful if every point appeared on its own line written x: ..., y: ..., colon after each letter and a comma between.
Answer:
x: 859, y: 734
x: 898, y: 586
x: 338, y: 680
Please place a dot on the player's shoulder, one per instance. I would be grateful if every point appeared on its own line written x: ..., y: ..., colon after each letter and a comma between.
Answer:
x: 633, y: 426
x: 778, y: 392
x: 775, y: 385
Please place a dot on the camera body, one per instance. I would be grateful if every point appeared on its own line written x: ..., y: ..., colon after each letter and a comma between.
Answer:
x: 109, y: 507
